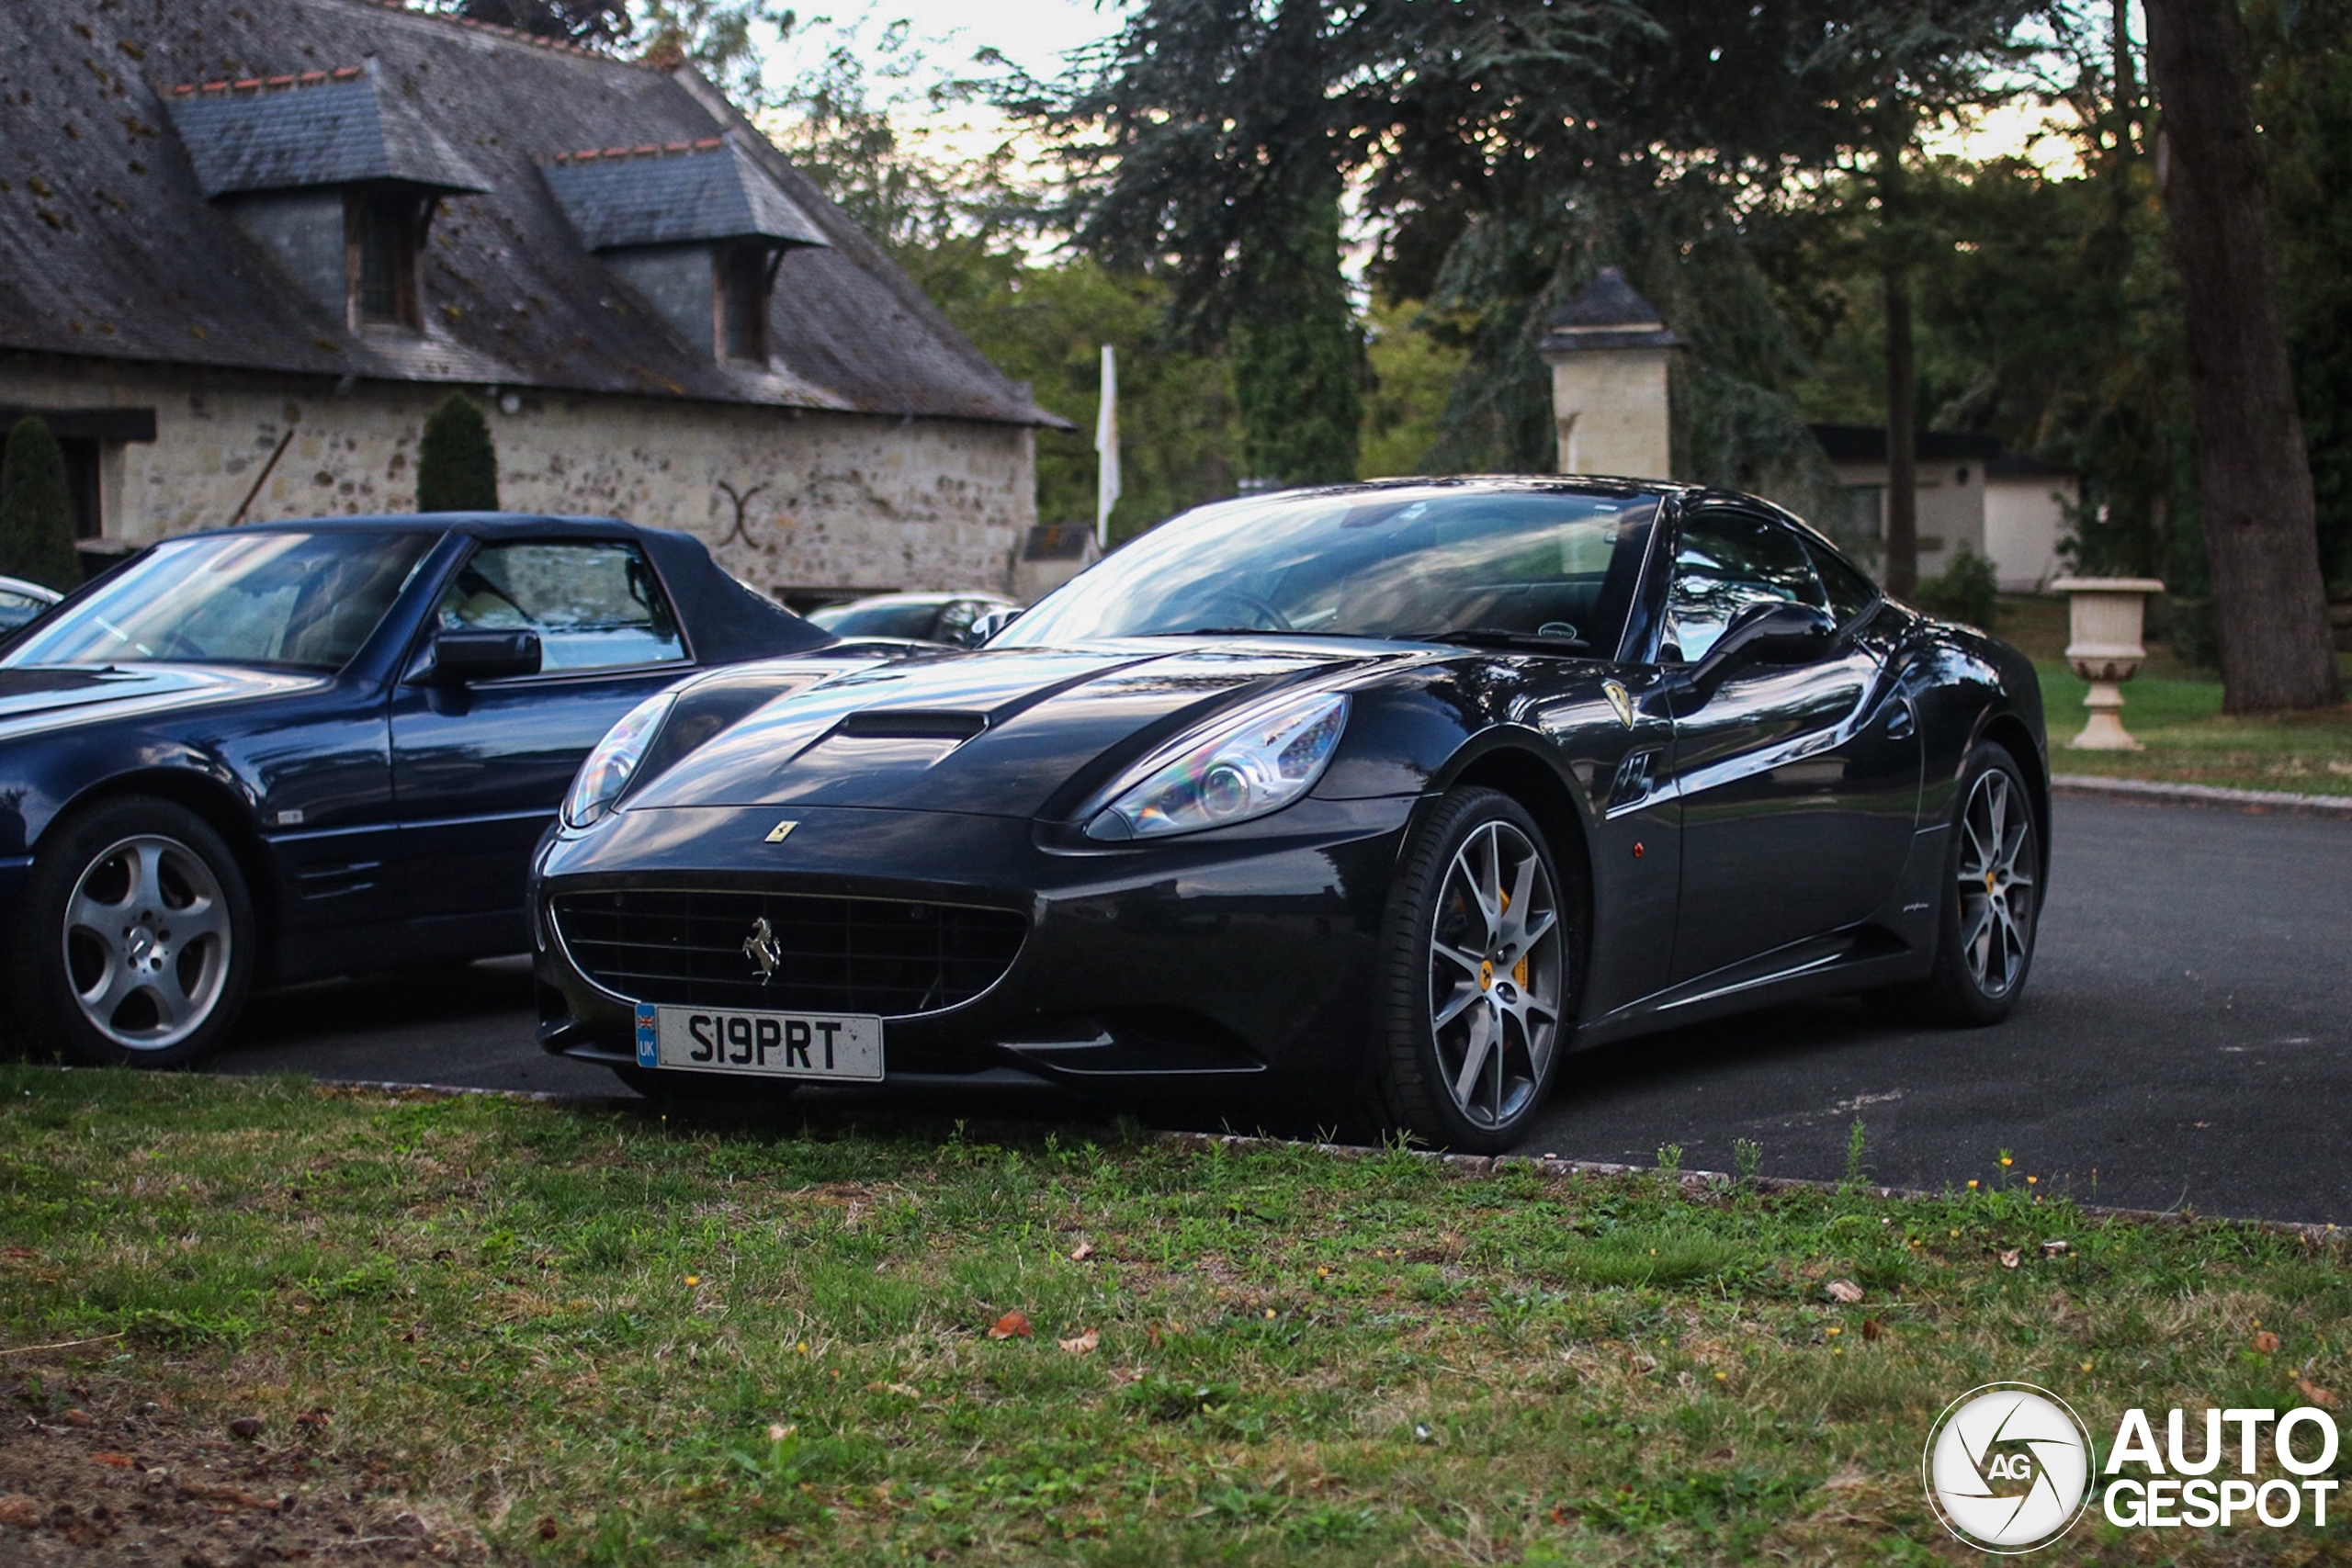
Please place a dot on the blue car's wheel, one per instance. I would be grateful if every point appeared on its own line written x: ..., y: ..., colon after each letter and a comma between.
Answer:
x: 138, y: 941
x: 1480, y: 977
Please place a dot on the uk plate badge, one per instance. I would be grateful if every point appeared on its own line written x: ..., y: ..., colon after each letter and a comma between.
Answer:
x: 649, y: 1035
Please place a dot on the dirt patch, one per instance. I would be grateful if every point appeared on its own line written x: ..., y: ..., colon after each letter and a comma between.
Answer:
x: 90, y: 1474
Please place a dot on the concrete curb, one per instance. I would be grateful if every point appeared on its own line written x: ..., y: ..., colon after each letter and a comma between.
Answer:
x: 2210, y: 795
x: 1547, y: 1167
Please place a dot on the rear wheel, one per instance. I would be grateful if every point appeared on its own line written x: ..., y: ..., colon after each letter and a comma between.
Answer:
x: 1478, y: 977
x: 1991, y: 899
x: 138, y: 941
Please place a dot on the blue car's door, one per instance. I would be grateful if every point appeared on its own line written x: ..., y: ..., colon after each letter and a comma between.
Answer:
x: 478, y: 770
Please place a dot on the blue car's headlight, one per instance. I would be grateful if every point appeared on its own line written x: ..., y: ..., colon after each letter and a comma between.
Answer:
x: 604, y: 776
x: 1262, y: 763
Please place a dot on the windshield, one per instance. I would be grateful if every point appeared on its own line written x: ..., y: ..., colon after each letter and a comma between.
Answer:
x: 303, y: 600
x: 1553, y: 564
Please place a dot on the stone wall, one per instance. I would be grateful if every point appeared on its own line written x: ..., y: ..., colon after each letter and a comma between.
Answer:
x: 830, y: 500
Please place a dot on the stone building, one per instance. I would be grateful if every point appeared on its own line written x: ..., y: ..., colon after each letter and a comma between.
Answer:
x: 246, y: 245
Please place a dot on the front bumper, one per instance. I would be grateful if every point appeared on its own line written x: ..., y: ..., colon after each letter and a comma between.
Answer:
x: 1245, y: 952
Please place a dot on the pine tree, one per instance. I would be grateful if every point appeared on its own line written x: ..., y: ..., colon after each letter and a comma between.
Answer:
x: 36, y: 512
x: 1298, y: 359
x: 456, y: 466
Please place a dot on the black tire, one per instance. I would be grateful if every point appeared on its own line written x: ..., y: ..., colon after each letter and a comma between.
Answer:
x: 137, y: 944
x: 707, y: 1092
x: 1983, y: 941
x: 1423, y: 1057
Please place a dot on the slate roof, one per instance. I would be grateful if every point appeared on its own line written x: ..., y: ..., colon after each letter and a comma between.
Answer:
x: 1606, y: 313
x: 664, y: 196
x: 109, y: 245
x: 320, y: 128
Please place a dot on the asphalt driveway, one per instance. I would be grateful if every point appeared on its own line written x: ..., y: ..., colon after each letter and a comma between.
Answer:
x: 2187, y: 1041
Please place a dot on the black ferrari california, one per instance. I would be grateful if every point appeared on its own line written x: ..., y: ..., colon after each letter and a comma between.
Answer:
x: 288, y: 749
x: 1383, y: 796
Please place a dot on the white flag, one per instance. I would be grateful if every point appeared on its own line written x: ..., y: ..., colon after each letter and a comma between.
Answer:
x: 1106, y: 445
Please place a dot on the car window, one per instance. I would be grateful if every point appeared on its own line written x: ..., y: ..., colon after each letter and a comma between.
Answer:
x: 16, y: 608
x: 957, y: 618
x: 595, y: 606
x: 1724, y: 562
x: 883, y: 620
x: 264, y: 597
x: 1850, y: 592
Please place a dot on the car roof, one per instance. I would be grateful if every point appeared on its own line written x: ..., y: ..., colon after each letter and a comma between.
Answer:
x: 942, y: 597
x: 34, y: 590
x: 478, y: 525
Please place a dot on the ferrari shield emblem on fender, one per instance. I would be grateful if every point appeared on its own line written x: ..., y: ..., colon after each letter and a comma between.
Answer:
x: 1620, y: 700
x: 783, y: 831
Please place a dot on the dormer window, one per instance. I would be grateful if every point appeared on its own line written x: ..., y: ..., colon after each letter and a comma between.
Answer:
x: 741, y: 276
x: 696, y: 228
x: 383, y: 234
x: 336, y: 177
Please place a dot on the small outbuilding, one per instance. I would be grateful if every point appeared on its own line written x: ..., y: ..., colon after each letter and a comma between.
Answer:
x: 246, y: 245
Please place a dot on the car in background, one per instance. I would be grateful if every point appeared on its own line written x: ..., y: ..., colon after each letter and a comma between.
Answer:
x: 943, y: 618
x: 22, y: 602
x: 285, y: 750
x: 1379, y: 799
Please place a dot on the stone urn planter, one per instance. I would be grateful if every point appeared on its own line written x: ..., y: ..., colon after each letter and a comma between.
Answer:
x: 2104, y: 648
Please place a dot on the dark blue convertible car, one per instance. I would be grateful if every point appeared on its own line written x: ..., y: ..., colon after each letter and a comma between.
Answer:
x: 292, y: 750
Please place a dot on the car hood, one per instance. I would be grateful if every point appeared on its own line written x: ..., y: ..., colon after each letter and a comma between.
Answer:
x: 1016, y: 732
x: 41, y: 699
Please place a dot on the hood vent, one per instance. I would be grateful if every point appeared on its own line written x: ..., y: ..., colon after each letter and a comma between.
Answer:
x: 913, y: 724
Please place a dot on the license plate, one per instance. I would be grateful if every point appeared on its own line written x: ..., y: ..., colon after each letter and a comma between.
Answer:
x: 770, y: 1045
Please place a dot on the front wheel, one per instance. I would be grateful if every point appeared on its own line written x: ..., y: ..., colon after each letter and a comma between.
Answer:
x: 138, y: 941
x: 1477, y: 979
x: 1990, y: 905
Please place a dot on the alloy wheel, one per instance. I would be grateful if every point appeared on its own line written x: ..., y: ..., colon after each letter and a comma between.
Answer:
x: 1996, y: 883
x: 1495, y: 974
x: 146, y: 942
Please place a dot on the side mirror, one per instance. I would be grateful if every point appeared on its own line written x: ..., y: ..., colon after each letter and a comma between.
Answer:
x: 1782, y: 632
x: 986, y: 626
x: 461, y: 655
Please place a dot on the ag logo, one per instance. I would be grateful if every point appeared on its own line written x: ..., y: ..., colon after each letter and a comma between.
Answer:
x: 2007, y: 1467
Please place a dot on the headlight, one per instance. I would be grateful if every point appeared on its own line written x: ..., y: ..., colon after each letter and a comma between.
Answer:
x: 1261, y: 764
x: 606, y: 774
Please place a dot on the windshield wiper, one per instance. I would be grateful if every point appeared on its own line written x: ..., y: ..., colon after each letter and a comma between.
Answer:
x: 1502, y: 637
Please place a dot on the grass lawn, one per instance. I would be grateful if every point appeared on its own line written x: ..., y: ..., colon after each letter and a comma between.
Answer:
x: 481, y: 1330
x: 2175, y: 710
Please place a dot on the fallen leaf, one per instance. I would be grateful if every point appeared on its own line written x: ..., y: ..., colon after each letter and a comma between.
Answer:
x: 1844, y: 1290
x: 76, y: 1419
x: 1151, y: 1332
x: 120, y: 1461
x: 2053, y: 1248
x: 312, y: 1418
x: 245, y: 1427
x: 211, y: 1493
x: 2265, y: 1342
x: 1081, y: 1252
x: 1871, y: 1328
x: 2315, y: 1393
x: 549, y: 1529
x: 1082, y: 1344
x: 905, y: 1391
x: 18, y: 1509
x: 2009, y: 1257
x: 1011, y: 1326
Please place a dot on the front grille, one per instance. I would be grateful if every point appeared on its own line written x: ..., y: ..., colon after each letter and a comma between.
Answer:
x: 854, y: 955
